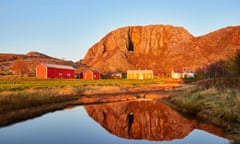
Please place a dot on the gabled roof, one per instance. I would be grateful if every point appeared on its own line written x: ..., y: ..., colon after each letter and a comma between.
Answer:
x: 180, y: 69
x: 59, y: 66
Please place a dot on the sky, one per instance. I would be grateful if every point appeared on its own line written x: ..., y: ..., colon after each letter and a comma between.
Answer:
x: 66, y: 29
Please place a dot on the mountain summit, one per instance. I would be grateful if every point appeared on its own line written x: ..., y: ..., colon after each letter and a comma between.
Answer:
x: 160, y: 48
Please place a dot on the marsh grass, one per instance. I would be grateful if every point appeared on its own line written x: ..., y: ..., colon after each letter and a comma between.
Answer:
x: 236, y: 140
x: 217, y: 102
x: 26, y: 93
x: 10, y: 101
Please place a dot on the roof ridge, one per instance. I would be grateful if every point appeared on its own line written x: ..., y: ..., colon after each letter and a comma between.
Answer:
x: 59, y: 66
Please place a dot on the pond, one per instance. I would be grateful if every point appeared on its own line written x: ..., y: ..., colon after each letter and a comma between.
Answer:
x: 143, y: 122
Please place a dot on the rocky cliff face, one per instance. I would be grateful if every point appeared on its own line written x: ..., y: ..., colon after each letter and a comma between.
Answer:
x: 151, y: 120
x: 161, y: 48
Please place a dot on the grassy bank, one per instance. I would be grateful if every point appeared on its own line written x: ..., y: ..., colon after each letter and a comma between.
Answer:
x: 23, y: 93
x: 10, y: 101
x: 23, y: 84
x: 215, y: 100
x: 31, y: 97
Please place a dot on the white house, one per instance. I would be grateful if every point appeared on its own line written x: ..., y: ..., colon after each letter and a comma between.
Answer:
x: 178, y: 73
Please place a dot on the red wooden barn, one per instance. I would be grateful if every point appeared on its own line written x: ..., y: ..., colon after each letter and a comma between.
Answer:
x: 91, y: 75
x: 46, y: 71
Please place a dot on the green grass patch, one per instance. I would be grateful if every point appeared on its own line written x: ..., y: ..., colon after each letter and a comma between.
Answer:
x: 23, y: 84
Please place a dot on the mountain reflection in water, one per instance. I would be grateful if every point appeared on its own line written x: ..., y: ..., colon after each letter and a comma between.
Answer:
x: 151, y: 120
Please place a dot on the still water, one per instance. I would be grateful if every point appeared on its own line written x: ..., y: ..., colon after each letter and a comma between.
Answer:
x: 152, y: 122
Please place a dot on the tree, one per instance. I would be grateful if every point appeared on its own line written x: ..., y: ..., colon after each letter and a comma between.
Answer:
x: 217, y: 69
x: 232, y: 66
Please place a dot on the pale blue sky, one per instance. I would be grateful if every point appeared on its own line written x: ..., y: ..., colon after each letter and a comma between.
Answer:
x: 68, y: 28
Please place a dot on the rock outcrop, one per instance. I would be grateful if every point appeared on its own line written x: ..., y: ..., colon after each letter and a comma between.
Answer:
x: 160, y: 48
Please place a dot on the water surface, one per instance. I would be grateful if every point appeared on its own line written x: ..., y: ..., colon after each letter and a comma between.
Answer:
x: 153, y: 122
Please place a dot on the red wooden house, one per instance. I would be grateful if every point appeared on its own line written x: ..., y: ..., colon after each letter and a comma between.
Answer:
x: 91, y: 75
x: 46, y: 71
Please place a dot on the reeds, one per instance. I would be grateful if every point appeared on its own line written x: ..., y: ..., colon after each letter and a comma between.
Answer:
x: 236, y: 140
x: 216, y: 101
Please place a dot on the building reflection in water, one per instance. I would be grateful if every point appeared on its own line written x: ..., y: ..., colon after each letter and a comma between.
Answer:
x: 151, y: 120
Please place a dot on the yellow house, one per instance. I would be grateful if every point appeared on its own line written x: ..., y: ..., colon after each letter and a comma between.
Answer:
x: 140, y: 74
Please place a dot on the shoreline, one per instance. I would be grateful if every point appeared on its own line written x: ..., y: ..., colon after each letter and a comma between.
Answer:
x: 91, y: 95
x: 215, y: 101
x: 43, y: 101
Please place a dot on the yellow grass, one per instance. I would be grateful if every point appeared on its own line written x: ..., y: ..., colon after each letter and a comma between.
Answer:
x: 215, y: 101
